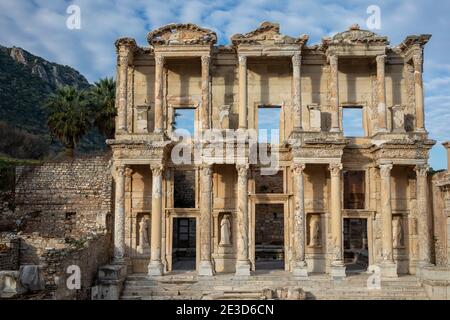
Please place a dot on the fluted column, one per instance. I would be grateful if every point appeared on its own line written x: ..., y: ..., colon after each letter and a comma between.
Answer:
x: 159, y: 93
x: 297, y: 99
x: 381, y: 93
x: 155, y: 268
x: 205, y: 268
x: 300, y: 268
x: 337, y: 263
x: 119, y: 215
x: 243, y: 90
x: 423, y: 219
x: 334, y: 87
x: 418, y: 88
x: 205, y: 92
x: 388, y: 265
x: 242, y: 263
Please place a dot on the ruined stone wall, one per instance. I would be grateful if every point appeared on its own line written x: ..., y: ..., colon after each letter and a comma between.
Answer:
x: 64, y: 199
x: 9, y: 251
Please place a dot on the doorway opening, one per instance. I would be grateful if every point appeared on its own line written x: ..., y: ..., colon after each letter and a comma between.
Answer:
x: 356, y: 252
x: 184, y: 243
x: 269, y: 237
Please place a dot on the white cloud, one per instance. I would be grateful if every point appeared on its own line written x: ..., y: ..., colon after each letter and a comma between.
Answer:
x: 39, y: 27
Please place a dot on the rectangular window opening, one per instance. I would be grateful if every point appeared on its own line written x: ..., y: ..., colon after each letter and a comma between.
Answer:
x: 269, y: 124
x: 183, y: 123
x: 352, y: 122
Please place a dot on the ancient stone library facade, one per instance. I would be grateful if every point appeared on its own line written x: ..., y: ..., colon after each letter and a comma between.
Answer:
x: 318, y: 200
x: 335, y: 203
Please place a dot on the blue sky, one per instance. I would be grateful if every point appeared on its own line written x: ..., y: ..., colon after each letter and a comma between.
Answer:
x: 39, y: 26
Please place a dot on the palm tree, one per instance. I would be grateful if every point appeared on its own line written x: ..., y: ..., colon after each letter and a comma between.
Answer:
x: 68, y: 116
x: 103, y: 97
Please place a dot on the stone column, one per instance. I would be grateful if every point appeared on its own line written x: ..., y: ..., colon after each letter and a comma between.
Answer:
x: 300, y: 268
x: 423, y: 219
x: 297, y: 98
x: 418, y: 88
x: 119, y: 215
x: 388, y: 265
x: 205, y: 92
x: 122, y: 87
x: 205, y: 268
x: 155, y: 268
x: 381, y: 93
x: 243, y: 90
x: 242, y: 263
x: 334, y: 87
x: 447, y: 146
x: 159, y: 93
x: 337, y: 263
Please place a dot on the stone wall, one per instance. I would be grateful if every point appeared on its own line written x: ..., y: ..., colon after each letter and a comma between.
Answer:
x: 64, y: 199
x: 9, y: 251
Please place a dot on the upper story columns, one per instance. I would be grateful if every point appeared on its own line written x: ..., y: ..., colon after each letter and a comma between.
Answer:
x: 418, y: 89
x: 125, y: 48
x: 297, y: 96
x: 334, y: 93
x: 159, y: 93
x: 243, y: 92
x: 381, y: 93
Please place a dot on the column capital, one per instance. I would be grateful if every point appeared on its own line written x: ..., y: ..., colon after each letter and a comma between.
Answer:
x: 242, y: 169
x: 206, y: 169
x: 296, y: 59
x: 422, y: 170
x: 298, y: 168
x: 242, y: 60
x: 381, y: 59
x: 335, y: 169
x: 385, y: 169
x: 121, y: 169
x: 128, y: 172
x: 206, y: 59
x: 333, y: 60
x: 157, y: 169
x: 417, y: 59
x: 159, y: 60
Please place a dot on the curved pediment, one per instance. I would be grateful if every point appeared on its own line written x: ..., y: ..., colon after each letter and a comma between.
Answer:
x: 356, y: 36
x: 182, y: 34
x: 267, y: 32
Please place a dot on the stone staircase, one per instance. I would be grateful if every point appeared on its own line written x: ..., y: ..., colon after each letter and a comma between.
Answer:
x: 188, y: 286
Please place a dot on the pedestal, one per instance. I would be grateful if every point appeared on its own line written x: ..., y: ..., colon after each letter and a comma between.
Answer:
x: 337, y: 271
x: 155, y: 269
x: 388, y: 270
x: 243, y: 269
x: 300, y: 270
x: 205, y: 269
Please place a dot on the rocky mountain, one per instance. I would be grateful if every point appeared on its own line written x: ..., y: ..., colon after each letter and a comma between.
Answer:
x: 26, y: 81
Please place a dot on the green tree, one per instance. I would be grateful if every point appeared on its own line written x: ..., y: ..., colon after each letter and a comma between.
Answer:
x: 68, y: 111
x: 103, y: 97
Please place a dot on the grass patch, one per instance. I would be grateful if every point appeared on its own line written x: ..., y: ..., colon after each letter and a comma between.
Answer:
x: 8, y: 162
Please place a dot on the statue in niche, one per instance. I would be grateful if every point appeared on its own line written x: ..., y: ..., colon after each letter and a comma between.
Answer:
x: 225, y: 231
x: 314, y: 231
x: 144, y: 244
x: 397, y: 231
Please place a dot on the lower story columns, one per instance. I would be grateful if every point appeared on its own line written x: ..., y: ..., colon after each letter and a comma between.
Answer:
x: 119, y: 218
x: 243, y: 262
x: 155, y: 268
x: 423, y: 221
x: 337, y: 262
x: 388, y: 265
x: 205, y: 268
x: 300, y: 268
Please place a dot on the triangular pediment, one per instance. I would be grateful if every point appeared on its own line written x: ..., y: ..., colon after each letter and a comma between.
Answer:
x: 355, y: 35
x: 266, y: 33
x: 182, y: 34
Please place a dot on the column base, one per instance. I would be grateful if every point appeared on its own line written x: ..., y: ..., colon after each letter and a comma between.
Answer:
x: 388, y: 269
x: 335, y: 130
x: 420, y: 266
x: 155, y: 269
x: 300, y: 270
x: 337, y: 270
x: 205, y: 269
x: 243, y: 268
